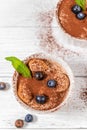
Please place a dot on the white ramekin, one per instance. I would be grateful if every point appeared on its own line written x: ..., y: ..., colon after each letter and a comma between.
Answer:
x: 65, y: 39
x: 52, y: 58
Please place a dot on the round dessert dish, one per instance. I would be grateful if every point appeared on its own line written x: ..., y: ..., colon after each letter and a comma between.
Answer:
x: 71, y: 26
x: 70, y: 22
x: 50, y: 84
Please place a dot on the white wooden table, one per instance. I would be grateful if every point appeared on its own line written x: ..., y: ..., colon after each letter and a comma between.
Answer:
x: 22, y: 23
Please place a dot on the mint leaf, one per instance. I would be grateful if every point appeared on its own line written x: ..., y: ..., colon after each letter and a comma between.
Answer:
x: 19, y: 66
x: 81, y: 3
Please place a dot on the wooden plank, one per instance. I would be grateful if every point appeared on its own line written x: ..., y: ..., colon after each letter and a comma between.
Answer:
x: 45, y: 129
x: 78, y: 64
x: 22, y: 12
x: 22, y: 42
x: 72, y: 115
x: 16, y: 35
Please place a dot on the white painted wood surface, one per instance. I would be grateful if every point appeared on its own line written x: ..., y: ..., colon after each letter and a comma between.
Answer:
x: 19, y: 29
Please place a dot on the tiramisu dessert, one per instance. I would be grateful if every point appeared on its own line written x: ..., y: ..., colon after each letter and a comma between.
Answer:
x: 40, y: 83
x: 72, y: 16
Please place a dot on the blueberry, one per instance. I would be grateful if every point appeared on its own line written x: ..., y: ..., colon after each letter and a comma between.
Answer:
x: 39, y: 75
x: 76, y: 9
x: 2, y: 85
x: 81, y: 16
x: 41, y: 99
x: 28, y: 118
x: 51, y: 83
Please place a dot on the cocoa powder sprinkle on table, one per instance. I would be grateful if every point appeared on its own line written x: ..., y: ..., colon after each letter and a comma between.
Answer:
x: 83, y: 95
x: 47, y: 40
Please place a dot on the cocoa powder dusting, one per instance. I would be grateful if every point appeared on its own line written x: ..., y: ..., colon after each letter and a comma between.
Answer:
x: 83, y: 95
x: 28, y: 88
x: 47, y: 41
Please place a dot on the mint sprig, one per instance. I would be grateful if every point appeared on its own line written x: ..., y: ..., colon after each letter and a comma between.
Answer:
x: 81, y: 3
x: 19, y: 66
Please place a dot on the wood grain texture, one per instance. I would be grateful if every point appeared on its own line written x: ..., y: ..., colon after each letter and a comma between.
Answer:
x: 45, y: 129
x: 19, y: 28
x: 19, y: 13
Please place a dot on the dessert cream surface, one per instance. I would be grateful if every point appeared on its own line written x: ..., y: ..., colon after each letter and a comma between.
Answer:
x: 28, y: 88
x: 69, y: 22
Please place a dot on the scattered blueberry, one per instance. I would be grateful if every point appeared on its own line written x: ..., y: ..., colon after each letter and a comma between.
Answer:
x: 76, y: 9
x: 39, y: 75
x: 19, y: 123
x: 28, y: 118
x: 2, y: 85
x: 41, y: 99
x: 51, y: 83
x: 81, y: 15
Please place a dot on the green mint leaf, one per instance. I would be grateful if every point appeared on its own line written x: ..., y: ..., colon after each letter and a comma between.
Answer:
x: 81, y: 3
x: 19, y: 66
